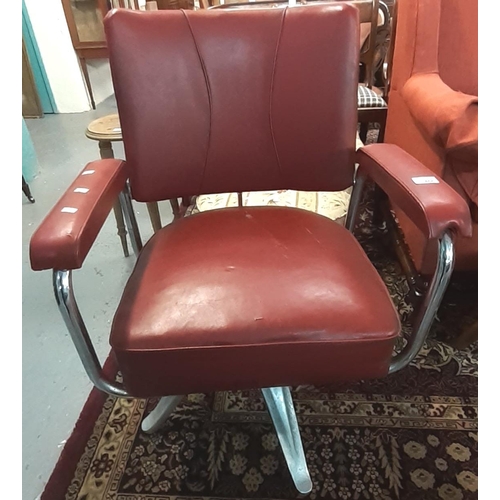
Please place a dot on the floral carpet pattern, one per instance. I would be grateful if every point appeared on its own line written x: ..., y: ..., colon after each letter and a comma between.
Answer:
x: 411, y: 435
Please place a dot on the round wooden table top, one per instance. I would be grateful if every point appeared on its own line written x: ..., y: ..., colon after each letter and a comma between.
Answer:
x: 106, y: 128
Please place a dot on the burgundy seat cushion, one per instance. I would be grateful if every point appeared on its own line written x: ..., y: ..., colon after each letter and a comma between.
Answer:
x: 252, y: 297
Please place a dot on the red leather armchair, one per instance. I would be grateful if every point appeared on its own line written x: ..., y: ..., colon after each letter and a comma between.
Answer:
x: 244, y: 297
x: 433, y: 110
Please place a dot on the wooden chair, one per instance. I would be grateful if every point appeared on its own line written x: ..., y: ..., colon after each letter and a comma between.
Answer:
x: 372, y: 102
x: 27, y: 191
x: 125, y: 4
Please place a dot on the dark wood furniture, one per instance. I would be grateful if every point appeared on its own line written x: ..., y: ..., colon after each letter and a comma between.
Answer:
x: 84, y: 19
x: 85, y: 23
x: 27, y: 192
x: 105, y: 131
x: 372, y: 101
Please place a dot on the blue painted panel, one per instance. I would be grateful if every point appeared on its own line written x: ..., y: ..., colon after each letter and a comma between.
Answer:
x: 30, y: 162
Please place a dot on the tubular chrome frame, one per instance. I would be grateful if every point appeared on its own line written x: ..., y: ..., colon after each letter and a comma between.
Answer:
x: 430, y: 305
x: 435, y: 292
x: 65, y: 298
x: 130, y: 219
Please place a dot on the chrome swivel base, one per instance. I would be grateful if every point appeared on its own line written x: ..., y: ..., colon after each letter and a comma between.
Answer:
x: 280, y: 405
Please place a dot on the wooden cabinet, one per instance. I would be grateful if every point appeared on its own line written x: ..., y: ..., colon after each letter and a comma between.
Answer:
x: 84, y: 19
x: 85, y: 23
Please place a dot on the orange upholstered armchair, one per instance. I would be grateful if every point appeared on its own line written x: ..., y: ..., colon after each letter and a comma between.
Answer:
x: 433, y: 108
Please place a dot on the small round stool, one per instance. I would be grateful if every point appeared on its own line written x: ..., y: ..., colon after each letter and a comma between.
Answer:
x: 106, y: 130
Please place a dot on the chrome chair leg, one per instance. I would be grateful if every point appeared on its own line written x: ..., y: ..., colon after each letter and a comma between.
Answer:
x: 280, y: 405
x: 163, y: 410
x: 65, y: 298
x: 131, y: 221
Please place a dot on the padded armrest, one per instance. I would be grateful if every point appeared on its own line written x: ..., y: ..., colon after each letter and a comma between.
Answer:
x: 450, y: 118
x: 433, y: 207
x: 65, y: 236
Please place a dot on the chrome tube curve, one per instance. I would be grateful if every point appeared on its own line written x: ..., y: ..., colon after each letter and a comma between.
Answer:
x: 430, y: 304
x: 65, y: 298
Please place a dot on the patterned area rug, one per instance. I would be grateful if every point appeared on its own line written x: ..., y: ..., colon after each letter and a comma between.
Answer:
x: 411, y: 435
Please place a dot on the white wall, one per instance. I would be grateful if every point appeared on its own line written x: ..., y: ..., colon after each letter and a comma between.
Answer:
x: 58, y: 56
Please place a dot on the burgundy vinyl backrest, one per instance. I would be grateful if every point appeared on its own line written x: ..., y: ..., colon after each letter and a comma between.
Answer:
x: 231, y: 101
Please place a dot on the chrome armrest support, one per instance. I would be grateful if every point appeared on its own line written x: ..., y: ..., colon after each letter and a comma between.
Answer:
x: 430, y: 304
x: 435, y: 291
x: 65, y: 298
x: 130, y: 219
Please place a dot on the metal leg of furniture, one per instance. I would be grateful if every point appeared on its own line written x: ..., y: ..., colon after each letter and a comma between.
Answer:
x: 85, y: 71
x: 133, y: 227
x: 27, y: 192
x: 430, y: 303
x: 154, y: 215
x: 65, y: 298
x: 280, y: 405
x: 106, y: 152
x: 163, y: 410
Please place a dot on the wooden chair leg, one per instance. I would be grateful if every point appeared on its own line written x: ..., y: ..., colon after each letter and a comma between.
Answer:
x: 186, y: 201
x: 120, y: 225
x: 86, y: 76
x: 106, y: 151
x: 176, y: 209
x: 27, y: 192
x: 363, y: 131
x: 381, y: 131
x: 379, y: 197
x: 154, y: 215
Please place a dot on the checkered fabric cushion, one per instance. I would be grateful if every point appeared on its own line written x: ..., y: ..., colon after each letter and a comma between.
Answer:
x: 367, y: 98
